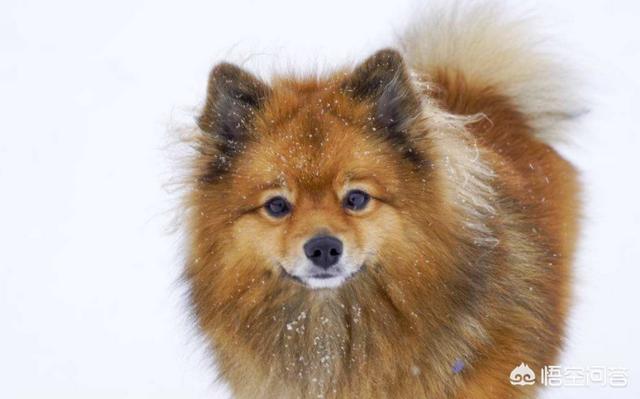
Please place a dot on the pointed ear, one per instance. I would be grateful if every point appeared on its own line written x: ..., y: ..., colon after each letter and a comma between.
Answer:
x: 383, y: 80
x: 233, y: 97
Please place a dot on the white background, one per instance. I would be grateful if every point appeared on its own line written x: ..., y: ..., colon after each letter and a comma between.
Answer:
x: 90, y: 305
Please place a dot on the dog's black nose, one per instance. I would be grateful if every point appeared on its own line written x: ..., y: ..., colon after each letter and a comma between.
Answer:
x: 323, y: 251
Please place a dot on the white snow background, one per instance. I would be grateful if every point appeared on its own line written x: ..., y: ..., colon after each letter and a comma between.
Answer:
x: 89, y: 303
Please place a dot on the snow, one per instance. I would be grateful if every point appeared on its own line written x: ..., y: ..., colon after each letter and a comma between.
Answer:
x: 89, y: 299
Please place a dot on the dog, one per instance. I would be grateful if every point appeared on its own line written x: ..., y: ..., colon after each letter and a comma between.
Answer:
x: 400, y: 229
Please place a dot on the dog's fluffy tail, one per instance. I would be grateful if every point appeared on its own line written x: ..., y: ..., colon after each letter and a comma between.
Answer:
x: 481, y: 60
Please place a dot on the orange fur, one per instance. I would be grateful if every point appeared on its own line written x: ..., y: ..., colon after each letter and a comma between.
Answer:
x: 467, y: 243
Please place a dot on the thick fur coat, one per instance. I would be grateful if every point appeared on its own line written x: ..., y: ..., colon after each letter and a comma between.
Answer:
x: 458, y: 269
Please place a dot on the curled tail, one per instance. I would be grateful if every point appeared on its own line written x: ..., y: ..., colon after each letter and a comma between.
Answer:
x: 482, y: 62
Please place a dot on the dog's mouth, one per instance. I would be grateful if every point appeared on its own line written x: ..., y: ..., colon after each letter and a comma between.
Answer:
x: 324, y: 275
x: 321, y: 280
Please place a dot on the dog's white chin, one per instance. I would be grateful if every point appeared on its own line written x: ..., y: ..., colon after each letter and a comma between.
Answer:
x: 330, y: 282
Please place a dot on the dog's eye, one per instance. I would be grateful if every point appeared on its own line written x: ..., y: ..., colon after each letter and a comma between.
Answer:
x: 356, y: 200
x: 278, y: 207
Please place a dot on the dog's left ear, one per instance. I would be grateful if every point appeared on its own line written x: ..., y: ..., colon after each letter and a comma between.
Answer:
x: 233, y: 97
x: 383, y: 80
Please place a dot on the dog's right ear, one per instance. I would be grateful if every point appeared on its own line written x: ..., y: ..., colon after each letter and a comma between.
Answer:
x: 233, y: 97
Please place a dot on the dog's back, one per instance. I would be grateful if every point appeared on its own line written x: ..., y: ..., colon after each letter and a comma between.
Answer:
x: 480, y: 65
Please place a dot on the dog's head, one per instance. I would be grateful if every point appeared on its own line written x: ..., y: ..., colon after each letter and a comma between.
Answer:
x: 314, y: 180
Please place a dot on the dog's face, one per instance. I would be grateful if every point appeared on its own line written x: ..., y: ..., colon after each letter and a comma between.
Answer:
x: 313, y: 180
x: 316, y: 196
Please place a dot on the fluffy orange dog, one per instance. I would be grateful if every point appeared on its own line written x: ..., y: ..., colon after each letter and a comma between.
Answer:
x: 400, y: 230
